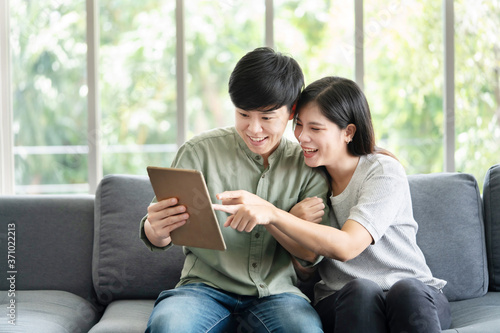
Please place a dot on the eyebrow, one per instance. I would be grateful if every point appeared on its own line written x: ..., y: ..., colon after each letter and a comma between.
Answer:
x: 261, y: 112
x: 312, y: 122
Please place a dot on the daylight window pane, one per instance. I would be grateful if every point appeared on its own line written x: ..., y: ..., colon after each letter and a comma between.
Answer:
x: 404, y: 80
x: 48, y: 64
x: 318, y: 34
x: 137, y: 84
x: 218, y: 34
x: 477, y: 86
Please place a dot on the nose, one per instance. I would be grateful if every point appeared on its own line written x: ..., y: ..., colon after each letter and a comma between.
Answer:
x: 254, y: 125
x: 300, y: 135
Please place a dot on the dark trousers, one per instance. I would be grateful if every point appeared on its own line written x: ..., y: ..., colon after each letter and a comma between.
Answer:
x: 362, y: 306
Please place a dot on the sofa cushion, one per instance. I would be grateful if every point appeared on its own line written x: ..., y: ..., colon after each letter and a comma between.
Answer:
x: 123, y: 267
x: 125, y: 316
x: 491, y: 199
x: 53, y: 249
x: 475, y: 315
x: 48, y: 311
x: 448, y: 209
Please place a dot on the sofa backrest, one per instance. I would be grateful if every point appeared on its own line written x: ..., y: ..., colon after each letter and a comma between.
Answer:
x: 53, y: 242
x: 491, y: 200
x: 448, y: 209
x: 123, y: 267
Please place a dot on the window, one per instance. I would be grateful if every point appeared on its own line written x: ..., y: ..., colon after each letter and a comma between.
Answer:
x: 404, y: 80
x: 163, y: 68
x: 48, y: 64
x: 137, y: 85
x: 477, y: 86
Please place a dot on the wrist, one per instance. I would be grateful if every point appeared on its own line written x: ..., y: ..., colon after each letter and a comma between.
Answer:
x: 153, y: 237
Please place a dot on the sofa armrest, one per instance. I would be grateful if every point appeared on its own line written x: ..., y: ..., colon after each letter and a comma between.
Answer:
x: 53, y: 242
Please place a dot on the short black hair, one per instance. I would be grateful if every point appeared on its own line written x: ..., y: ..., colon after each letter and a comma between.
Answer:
x: 265, y: 80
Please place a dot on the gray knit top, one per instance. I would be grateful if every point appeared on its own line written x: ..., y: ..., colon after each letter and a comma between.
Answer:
x: 377, y: 197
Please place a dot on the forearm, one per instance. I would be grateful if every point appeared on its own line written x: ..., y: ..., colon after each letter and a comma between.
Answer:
x: 317, y: 238
x: 291, y: 245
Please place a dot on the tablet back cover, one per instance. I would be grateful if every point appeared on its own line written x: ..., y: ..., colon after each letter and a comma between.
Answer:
x: 202, y: 229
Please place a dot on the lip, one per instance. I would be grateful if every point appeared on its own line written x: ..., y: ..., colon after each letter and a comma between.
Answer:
x: 259, y: 142
x: 309, y: 152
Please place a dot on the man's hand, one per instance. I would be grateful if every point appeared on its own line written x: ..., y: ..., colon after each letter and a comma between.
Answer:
x: 164, y: 217
x: 309, y: 209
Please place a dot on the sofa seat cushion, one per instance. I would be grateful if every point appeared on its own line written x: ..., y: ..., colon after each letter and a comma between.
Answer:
x: 48, y: 311
x: 475, y: 315
x: 125, y: 316
x: 448, y: 210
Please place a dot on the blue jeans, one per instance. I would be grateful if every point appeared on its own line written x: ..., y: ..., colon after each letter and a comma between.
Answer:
x: 200, y: 308
x: 408, y: 306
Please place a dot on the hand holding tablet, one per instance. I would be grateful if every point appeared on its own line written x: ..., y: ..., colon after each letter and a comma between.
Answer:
x: 189, y: 187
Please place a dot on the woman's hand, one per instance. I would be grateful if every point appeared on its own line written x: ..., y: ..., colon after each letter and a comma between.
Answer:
x: 246, y: 217
x: 309, y: 209
x: 247, y: 210
x: 241, y: 197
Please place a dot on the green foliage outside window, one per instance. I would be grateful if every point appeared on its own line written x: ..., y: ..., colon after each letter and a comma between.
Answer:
x: 137, y: 82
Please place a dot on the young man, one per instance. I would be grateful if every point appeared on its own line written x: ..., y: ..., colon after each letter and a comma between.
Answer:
x: 251, y: 285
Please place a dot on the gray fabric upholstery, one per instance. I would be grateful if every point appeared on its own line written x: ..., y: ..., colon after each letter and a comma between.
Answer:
x: 125, y: 316
x: 491, y: 199
x: 448, y: 209
x: 123, y: 267
x: 477, y: 315
x: 54, y: 237
x: 49, y: 311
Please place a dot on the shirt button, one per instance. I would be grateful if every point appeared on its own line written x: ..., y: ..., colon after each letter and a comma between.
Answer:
x: 254, y: 264
x: 263, y: 176
x: 261, y: 285
x: 257, y: 235
x: 257, y: 157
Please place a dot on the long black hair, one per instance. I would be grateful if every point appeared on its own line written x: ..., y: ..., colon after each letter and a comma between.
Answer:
x: 342, y: 102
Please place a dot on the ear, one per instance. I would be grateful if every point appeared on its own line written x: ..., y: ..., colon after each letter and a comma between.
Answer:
x: 350, y: 130
x: 292, y: 113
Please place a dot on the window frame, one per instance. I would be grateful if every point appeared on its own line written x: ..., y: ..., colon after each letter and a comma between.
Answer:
x: 95, y: 169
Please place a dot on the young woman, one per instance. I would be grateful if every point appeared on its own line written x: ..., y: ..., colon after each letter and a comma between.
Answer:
x: 374, y: 277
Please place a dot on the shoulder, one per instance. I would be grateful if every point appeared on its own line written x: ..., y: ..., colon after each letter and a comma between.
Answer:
x: 205, y: 148
x: 380, y: 164
x: 214, y: 135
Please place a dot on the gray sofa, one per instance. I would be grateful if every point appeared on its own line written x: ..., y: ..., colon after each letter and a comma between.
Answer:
x: 77, y: 264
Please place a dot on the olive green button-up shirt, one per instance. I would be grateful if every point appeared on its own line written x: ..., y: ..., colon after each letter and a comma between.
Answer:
x: 254, y: 264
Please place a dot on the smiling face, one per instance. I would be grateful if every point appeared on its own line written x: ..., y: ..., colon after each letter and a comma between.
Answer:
x: 323, y: 142
x: 262, y: 131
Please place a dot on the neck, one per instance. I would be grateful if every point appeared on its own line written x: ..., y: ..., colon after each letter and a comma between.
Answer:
x: 341, y: 172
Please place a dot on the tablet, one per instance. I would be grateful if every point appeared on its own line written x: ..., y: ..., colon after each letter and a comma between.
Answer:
x: 189, y: 187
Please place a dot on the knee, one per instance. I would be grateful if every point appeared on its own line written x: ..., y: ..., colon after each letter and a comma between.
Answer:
x: 365, y: 291
x: 363, y: 287
x: 405, y: 292
x: 406, y: 288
